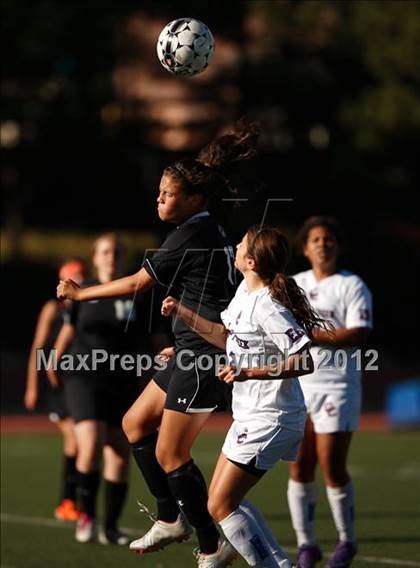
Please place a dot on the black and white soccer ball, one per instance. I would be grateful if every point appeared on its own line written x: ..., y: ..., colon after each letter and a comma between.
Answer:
x: 185, y: 46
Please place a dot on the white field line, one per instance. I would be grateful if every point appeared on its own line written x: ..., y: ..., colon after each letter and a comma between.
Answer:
x: 41, y: 521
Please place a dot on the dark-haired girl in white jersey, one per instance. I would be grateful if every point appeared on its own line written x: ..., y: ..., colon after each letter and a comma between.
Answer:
x: 332, y: 393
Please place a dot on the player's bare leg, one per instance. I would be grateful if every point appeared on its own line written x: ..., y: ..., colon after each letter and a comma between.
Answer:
x: 332, y: 451
x: 145, y: 414
x: 303, y: 469
x: 176, y: 437
x: 177, y: 434
x: 140, y: 425
x: 241, y: 522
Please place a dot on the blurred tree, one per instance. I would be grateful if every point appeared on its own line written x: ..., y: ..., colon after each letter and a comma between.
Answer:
x: 334, y: 83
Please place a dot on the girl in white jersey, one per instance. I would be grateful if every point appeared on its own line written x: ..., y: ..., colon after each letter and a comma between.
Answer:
x: 266, y: 332
x: 332, y: 393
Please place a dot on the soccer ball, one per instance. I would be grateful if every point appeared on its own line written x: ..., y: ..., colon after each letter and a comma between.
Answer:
x: 185, y: 46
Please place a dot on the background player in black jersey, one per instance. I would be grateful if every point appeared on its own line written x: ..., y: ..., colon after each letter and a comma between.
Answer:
x: 195, y: 264
x: 98, y: 397
x: 49, y: 323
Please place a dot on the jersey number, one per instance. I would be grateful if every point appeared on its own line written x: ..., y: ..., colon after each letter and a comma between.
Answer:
x: 123, y: 309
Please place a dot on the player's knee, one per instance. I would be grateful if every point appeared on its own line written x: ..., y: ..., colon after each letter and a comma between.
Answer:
x: 116, y: 469
x: 125, y: 423
x: 130, y: 427
x: 302, y: 472
x: 69, y: 443
x: 87, y: 463
x: 170, y: 458
x: 168, y: 462
x: 335, y: 474
x: 162, y: 453
x: 213, y: 506
x: 219, y: 508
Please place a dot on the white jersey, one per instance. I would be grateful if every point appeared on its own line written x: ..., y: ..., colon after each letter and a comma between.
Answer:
x: 259, y: 331
x: 344, y: 300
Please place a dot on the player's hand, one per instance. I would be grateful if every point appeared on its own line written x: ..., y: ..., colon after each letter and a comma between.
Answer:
x: 68, y: 290
x: 166, y: 353
x: 230, y: 374
x: 169, y: 305
x: 30, y: 398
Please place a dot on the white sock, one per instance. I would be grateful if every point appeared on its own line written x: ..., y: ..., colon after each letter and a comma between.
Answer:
x: 258, y: 518
x: 249, y: 539
x: 302, y: 502
x: 341, y: 500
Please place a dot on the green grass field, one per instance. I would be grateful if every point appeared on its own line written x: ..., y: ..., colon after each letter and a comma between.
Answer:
x: 385, y: 467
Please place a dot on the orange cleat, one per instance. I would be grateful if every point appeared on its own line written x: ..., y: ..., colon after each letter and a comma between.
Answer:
x: 66, y: 511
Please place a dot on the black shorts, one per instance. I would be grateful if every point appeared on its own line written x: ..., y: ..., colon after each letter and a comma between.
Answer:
x: 191, y: 387
x: 99, y: 398
x: 250, y: 467
x: 57, y: 405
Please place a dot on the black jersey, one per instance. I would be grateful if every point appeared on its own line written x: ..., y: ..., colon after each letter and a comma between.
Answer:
x: 116, y: 325
x: 195, y: 264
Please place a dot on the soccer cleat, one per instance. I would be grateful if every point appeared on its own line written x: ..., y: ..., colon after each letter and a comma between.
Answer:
x: 225, y: 555
x: 113, y: 536
x: 66, y: 511
x: 161, y: 534
x: 85, y: 529
x: 308, y: 555
x: 343, y: 554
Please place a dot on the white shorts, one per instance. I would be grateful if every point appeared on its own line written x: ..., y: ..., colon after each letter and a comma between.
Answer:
x: 336, y: 411
x: 262, y: 442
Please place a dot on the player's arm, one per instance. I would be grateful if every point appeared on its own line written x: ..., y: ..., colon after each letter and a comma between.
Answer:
x: 62, y: 343
x: 295, y: 365
x: 214, y: 333
x: 43, y: 329
x: 358, y: 323
x: 341, y: 336
x: 139, y: 282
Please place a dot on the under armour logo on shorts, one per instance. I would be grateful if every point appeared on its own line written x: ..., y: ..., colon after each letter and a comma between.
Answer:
x: 182, y: 401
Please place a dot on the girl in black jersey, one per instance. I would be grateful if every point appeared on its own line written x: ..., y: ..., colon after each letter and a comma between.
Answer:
x: 49, y: 323
x: 99, y: 394
x: 195, y: 263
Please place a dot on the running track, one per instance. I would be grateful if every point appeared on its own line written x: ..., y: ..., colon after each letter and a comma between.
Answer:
x: 32, y: 424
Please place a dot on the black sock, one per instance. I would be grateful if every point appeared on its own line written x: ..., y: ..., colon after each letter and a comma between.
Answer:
x: 155, y: 477
x: 86, y: 491
x: 189, y: 488
x: 115, y: 494
x: 69, y: 478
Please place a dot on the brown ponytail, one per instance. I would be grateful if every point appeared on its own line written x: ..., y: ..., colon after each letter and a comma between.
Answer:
x: 285, y: 291
x: 270, y: 250
x: 222, y: 167
x: 238, y: 145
